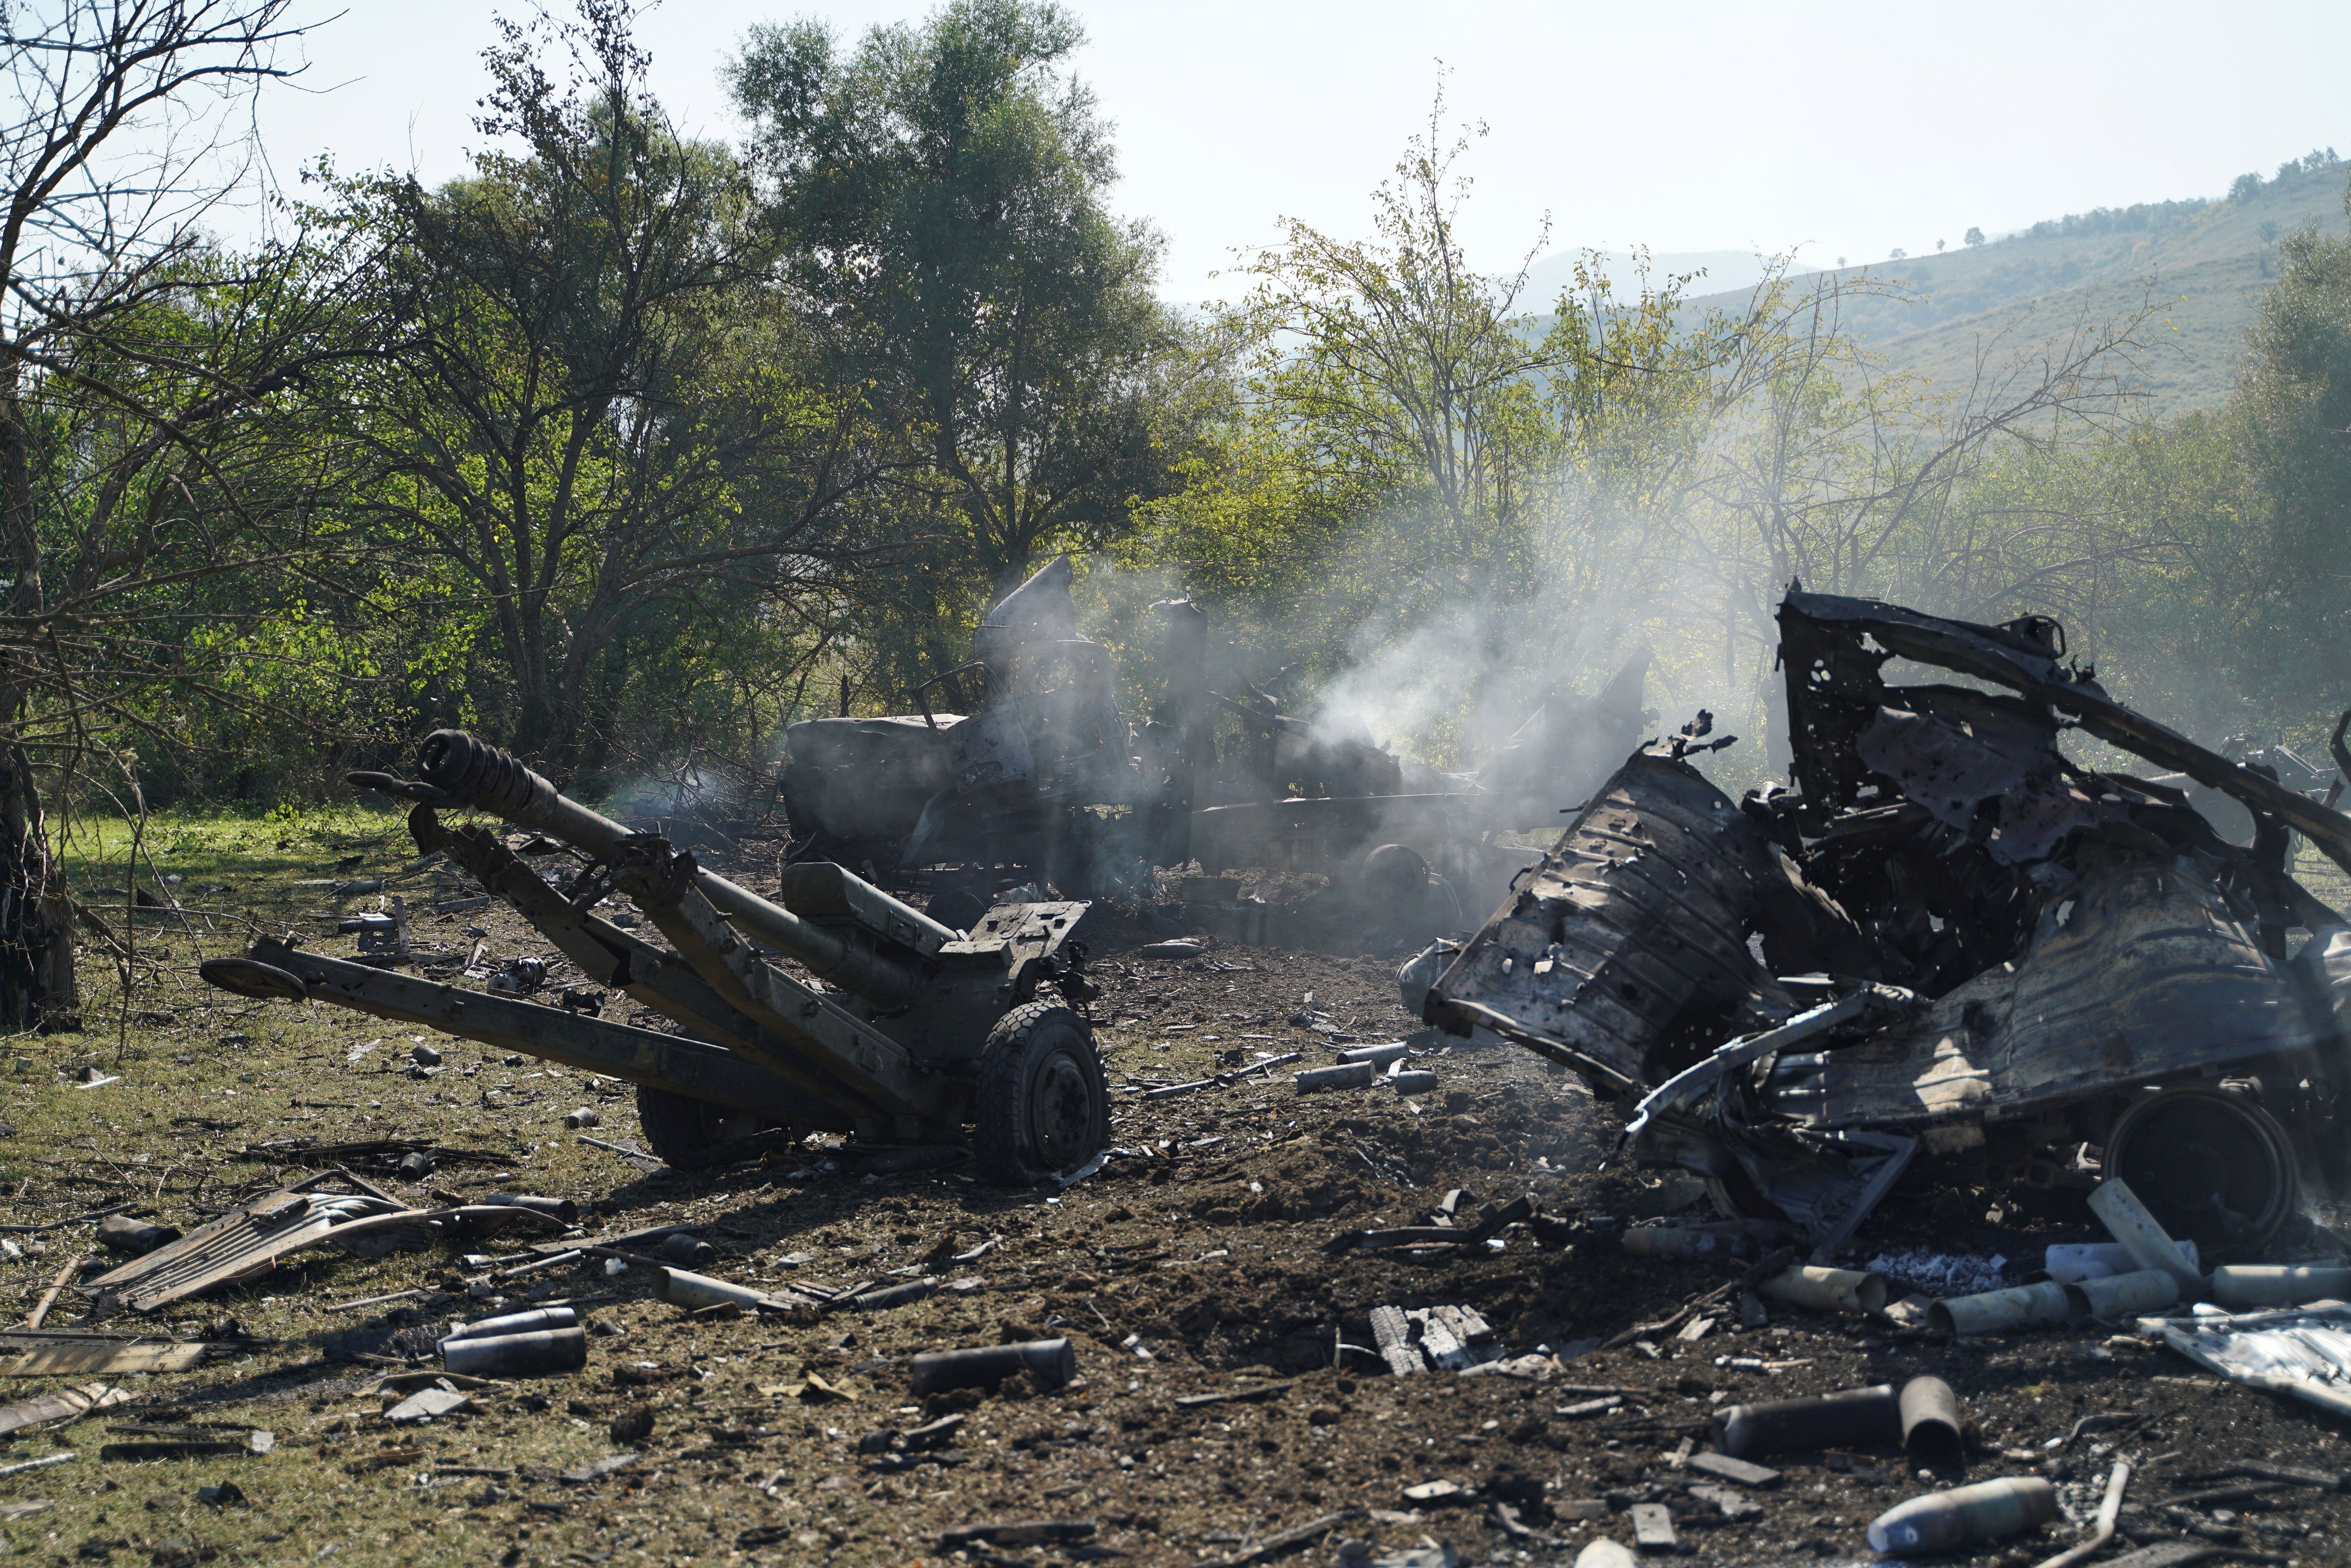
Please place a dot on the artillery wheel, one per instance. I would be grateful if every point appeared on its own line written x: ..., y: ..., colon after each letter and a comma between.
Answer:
x: 2211, y: 1166
x: 1042, y: 1104
x: 692, y: 1134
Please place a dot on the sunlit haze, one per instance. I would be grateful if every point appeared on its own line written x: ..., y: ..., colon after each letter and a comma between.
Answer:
x: 1844, y: 129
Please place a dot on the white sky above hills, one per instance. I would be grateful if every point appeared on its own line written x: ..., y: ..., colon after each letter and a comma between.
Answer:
x: 1844, y: 128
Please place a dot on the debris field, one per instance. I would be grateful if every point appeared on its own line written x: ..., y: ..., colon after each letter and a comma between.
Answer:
x: 1201, y: 1274
x: 460, y: 1219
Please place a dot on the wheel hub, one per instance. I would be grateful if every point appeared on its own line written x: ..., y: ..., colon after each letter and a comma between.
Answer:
x: 2211, y: 1166
x: 1061, y: 1110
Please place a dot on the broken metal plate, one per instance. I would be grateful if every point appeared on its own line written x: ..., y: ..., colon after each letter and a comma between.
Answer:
x: 1633, y: 928
x: 65, y: 1404
x: 2304, y: 1352
x: 2140, y: 973
x: 1019, y: 931
x: 242, y: 1242
x: 1964, y: 756
x: 48, y: 1355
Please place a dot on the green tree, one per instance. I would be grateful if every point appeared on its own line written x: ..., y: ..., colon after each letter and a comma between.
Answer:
x: 141, y: 370
x: 941, y: 192
x: 2294, y: 404
x: 1399, y: 366
x: 1409, y: 445
x: 599, y: 402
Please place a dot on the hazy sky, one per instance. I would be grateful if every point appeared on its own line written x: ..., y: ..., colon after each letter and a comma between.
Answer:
x: 1847, y: 128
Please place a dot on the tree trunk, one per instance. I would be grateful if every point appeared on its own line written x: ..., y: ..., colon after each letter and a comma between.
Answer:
x: 36, y: 950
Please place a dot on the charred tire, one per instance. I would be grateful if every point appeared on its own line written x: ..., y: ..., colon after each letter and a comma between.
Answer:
x: 1042, y: 1105
x: 2211, y: 1166
x: 690, y: 1134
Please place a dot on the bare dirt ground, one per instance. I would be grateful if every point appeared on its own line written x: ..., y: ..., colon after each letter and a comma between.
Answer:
x: 1199, y: 1268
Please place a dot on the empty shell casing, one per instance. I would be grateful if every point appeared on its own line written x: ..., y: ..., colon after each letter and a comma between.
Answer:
x: 2278, y: 1284
x: 497, y: 1356
x: 681, y: 1248
x: 1930, y: 1423
x: 680, y: 1288
x: 1854, y: 1418
x: 1052, y: 1360
x: 539, y: 1319
x: 1829, y: 1290
x: 2149, y: 1245
x: 1946, y: 1521
x: 1346, y: 1075
x: 2127, y: 1296
x: 1997, y: 1312
x: 2071, y: 1263
x: 890, y: 1296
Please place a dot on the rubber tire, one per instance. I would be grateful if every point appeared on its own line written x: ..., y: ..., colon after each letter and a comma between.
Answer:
x: 2219, y: 1134
x: 1041, y: 1106
x: 689, y: 1134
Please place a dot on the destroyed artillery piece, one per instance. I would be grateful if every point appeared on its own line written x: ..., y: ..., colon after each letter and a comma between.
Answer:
x: 1042, y: 772
x: 907, y: 1031
x: 1952, y: 943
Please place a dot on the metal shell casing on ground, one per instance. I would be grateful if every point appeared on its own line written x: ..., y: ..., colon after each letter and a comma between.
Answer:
x: 1930, y: 1424
x: 1828, y: 1290
x: 1946, y: 1521
x: 2242, y: 1285
x: 1052, y: 1360
x: 1997, y: 1311
x: 1854, y: 1418
x: 516, y: 1354
x: 2120, y: 1296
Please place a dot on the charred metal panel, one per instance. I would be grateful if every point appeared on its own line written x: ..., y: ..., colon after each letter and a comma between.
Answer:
x: 858, y: 778
x: 2140, y: 973
x: 1985, y: 766
x: 1632, y: 931
x: 1833, y: 647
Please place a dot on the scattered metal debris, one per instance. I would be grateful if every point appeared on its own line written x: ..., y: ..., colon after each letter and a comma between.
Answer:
x: 252, y: 1237
x: 2304, y: 1352
x: 1906, y: 952
x: 55, y: 1352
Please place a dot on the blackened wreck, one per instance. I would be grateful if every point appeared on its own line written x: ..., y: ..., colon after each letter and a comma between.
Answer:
x: 1949, y: 943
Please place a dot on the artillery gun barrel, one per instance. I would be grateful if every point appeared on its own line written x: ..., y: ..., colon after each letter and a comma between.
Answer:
x: 476, y: 772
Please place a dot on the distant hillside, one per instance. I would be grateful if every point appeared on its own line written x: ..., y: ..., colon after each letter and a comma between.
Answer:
x: 2204, y: 263
x: 1723, y: 269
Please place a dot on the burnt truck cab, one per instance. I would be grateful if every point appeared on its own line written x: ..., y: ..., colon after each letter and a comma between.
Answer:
x: 1949, y: 943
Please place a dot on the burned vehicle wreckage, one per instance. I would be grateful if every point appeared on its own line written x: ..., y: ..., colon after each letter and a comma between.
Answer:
x: 1044, y: 779
x: 1949, y: 950
x: 1044, y: 772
